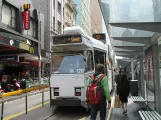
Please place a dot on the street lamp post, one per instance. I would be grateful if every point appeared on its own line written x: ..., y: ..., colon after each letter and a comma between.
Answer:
x: 39, y: 51
x: 39, y: 45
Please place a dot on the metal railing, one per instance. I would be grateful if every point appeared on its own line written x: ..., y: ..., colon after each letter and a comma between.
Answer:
x: 34, y: 88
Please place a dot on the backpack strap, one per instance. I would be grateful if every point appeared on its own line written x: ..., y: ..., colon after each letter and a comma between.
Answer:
x: 101, y: 77
x: 92, y: 77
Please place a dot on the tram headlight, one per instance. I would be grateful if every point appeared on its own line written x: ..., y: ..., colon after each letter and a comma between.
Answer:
x: 56, y: 91
x: 77, y: 91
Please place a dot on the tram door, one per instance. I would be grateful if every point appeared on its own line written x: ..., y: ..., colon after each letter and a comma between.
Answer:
x: 100, y: 58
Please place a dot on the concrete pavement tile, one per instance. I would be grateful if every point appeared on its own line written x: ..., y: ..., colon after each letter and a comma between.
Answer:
x: 131, y: 115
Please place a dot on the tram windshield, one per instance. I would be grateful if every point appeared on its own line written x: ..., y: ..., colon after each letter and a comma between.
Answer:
x: 68, y: 63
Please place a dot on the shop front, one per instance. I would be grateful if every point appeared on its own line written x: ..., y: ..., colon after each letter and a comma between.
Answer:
x: 152, y: 75
x: 19, y: 59
x: 149, y: 78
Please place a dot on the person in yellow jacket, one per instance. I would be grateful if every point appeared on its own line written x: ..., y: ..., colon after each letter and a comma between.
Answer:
x: 102, y: 106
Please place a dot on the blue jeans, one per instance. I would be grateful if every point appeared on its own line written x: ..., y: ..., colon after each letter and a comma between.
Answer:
x: 98, y: 107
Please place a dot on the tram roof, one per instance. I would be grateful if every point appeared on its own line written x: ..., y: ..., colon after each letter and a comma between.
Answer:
x: 93, y: 42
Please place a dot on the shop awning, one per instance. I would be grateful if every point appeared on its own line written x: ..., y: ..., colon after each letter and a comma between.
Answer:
x: 12, y: 44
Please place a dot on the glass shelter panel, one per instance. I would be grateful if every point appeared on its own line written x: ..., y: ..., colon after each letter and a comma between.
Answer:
x: 149, y: 76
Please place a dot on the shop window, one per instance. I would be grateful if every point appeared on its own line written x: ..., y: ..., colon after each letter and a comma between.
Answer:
x: 9, y: 15
x: 149, y: 77
x: 59, y: 26
x: 53, y: 22
x: 54, y: 4
x: 59, y: 7
x: 33, y: 29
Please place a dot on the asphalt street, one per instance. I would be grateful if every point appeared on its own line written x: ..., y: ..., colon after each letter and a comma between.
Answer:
x: 18, y: 105
x: 55, y: 113
x: 15, y: 110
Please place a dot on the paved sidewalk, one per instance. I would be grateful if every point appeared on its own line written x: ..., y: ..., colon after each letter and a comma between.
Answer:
x: 132, y: 114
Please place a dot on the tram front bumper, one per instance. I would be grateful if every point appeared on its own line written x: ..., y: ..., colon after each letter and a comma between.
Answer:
x: 66, y: 102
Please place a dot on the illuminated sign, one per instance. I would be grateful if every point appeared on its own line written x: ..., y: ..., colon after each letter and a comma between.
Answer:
x: 26, y: 16
x: 11, y: 42
x: 26, y: 7
x: 9, y: 58
x: 24, y: 46
x: 66, y: 39
x: 75, y: 39
x: 26, y: 19
x: 32, y: 50
x: 99, y: 36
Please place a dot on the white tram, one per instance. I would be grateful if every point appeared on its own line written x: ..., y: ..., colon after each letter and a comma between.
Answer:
x: 74, y: 57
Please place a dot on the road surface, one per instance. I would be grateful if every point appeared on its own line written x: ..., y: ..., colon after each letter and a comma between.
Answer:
x: 18, y: 105
x: 15, y: 110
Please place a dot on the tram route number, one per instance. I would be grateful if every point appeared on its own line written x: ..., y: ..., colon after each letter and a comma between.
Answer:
x: 80, y: 70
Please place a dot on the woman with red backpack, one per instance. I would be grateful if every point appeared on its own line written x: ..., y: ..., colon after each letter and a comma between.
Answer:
x: 97, y: 93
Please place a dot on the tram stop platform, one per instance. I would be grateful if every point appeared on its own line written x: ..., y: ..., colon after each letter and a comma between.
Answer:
x: 76, y: 113
x: 132, y: 112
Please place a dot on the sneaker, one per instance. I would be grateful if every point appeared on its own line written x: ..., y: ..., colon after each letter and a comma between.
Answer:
x: 125, y: 111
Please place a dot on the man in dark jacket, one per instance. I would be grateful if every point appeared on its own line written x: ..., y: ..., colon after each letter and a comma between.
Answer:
x: 117, y: 80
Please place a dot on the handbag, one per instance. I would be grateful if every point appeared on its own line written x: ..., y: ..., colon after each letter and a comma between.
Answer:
x: 117, y: 102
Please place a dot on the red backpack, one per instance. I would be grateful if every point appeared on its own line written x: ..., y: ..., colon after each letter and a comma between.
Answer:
x: 95, y: 91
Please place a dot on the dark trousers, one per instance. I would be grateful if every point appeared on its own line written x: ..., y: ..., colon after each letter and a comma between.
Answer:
x: 98, y: 107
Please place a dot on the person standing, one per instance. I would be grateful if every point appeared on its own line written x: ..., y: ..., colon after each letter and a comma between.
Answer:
x: 118, y: 77
x: 123, y: 92
x: 117, y: 80
x: 97, y: 93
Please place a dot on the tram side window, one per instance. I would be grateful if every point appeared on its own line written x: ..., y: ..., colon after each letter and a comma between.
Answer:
x: 99, y: 58
x: 90, y: 63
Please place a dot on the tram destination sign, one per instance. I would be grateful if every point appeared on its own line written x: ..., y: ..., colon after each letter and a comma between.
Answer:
x: 99, y: 36
x: 67, y: 39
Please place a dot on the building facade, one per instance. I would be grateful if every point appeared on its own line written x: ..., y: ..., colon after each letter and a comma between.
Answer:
x: 70, y: 13
x: 96, y: 21
x: 105, y: 6
x: 54, y: 14
x: 84, y: 15
x: 23, y: 46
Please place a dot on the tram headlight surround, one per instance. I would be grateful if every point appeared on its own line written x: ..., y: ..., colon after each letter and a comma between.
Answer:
x: 77, y: 91
x: 56, y: 91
